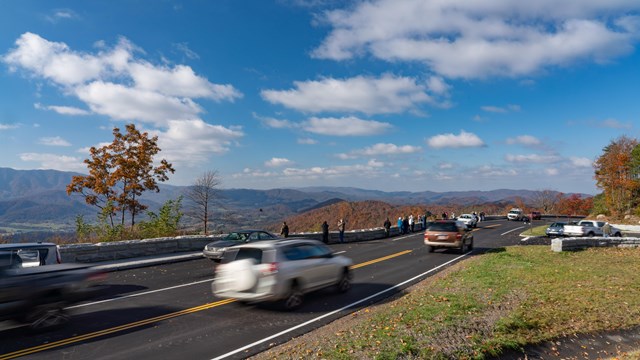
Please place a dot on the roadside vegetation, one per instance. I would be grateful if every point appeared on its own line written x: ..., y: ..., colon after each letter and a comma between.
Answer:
x: 535, y: 230
x: 485, y: 305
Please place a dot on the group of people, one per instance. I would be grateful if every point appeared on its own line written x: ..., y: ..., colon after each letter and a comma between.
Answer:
x: 342, y: 223
x: 407, y: 224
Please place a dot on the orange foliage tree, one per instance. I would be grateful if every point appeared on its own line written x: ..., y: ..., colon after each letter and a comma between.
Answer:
x: 614, y: 174
x: 120, y: 172
x: 574, y: 204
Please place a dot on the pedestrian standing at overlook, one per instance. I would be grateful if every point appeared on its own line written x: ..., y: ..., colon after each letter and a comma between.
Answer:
x: 341, y: 226
x: 325, y: 232
x: 387, y: 227
x: 284, y: 230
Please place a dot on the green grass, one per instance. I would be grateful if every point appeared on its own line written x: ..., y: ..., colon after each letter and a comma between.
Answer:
x: 484, y: 305
x: 535, y: 231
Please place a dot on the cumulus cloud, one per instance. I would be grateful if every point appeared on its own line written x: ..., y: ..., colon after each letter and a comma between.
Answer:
x: 526, y: 140
x: 53, y: 141
x: 55, y: 162
x: 501, y: 110
x: 581, y: 162
x: 532, y: 158
x: 383, y: 149
x: 384, y: 95
x: 346, y: 126
x: 61, y: 14
x: 477, y: 39
x: 63, y: 110
x: 307, y: 141
x: 551, y: 171
x: 462, y: 140
x: 277, y: 162
x: 9, y: 126
x: 489, y: 171
x: 116, y: 82
x: 445, y: 165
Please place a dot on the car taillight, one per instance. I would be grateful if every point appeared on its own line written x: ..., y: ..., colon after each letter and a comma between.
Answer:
x: 97, y: 277
x: 270, y: 269
x: 458, y: 236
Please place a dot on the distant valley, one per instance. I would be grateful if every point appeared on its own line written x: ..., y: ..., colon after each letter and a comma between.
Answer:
x: 36, y: 201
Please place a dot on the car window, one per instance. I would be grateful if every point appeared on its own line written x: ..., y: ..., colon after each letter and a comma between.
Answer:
x: 249, y: 253
x: 254, y: 236
x: 316, y: 251
x: 295, y: 252
x: 265, y: 236
x: 445, y: 226
x: 237, y: 236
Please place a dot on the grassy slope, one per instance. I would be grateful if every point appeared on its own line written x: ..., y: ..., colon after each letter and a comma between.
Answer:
x: 504, y: 299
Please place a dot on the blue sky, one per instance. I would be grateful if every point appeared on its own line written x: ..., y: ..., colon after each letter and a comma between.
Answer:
x: 388, y: 95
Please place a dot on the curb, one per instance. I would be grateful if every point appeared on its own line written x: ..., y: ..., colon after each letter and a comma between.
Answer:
x: 149, y: 261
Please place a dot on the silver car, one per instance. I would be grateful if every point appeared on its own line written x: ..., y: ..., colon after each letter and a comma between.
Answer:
x: 281, y: 270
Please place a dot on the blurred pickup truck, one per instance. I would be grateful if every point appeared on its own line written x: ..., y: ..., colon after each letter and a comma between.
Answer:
x: 35, y: 288
x: 589, y: 228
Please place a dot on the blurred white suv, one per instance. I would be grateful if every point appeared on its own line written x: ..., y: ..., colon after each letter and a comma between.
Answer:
x: 469, y: 220
x: 280, y: 270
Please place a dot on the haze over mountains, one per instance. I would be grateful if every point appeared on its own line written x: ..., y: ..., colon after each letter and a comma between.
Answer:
x: 32, y: 200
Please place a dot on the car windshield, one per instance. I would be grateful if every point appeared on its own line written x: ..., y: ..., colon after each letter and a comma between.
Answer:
x: 557, y: 225
x: 237, y: 236
x: 444, y: 226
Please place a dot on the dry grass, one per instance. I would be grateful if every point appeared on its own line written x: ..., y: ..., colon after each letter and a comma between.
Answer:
x: 492, y: 302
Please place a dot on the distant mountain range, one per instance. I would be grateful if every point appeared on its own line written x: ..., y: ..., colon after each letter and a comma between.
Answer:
x: 32, y: 200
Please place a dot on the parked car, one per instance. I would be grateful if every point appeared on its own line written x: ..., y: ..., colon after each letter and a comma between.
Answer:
x: 469, y: 220
x: 555, y: 229
x: 515, y: 214
x: 283, y: 270
x: 448, y: 234
x: 536, y: 215
x: 215, y: 249
x: 590, y: 228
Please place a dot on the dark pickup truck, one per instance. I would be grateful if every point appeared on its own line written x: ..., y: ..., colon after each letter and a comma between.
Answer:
x: 35, y: 289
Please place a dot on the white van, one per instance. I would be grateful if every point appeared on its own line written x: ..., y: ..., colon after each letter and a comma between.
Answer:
x: 515, y: 214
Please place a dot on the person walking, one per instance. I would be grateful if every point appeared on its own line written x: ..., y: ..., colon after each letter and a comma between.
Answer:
x: 400, y: 231
x: 325, y: 232
x: 284, y: 230
x: 341, y: 226
x: 412, y: 223
x: 387, y: 227
x: 405, y: 225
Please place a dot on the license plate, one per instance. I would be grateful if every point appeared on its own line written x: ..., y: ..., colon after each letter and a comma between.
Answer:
x: 443, y: 237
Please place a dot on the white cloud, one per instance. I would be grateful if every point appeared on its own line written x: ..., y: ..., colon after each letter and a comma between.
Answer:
x: 526, y: 140
x: 489, y: 171
x: 615, y: 124
x: 346, y: 126
x: 61, y: 14
x: 387, y: 149
x: 477, y: 39
x: 307, y: 141
x: 501, y: 110
x: 184, y: 48
x: 532, y: 158
x: 193, y: 141
x: 444, y: 166
x: 63, y: 110
x: 276, y: 123
x: 464, y: 139
x: 53, y: 141
x: 9, y: 126
x: 581, y: 162
x: 551, y: 171
x: 55, y: 162
x: 384, y: 95
x: 277, y: 162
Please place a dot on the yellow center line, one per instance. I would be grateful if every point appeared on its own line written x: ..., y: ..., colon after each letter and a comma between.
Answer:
x: 380, y: 259
x: 112, y: 330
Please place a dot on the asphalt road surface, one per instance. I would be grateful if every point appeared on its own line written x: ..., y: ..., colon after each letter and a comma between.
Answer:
x: 168, y: 311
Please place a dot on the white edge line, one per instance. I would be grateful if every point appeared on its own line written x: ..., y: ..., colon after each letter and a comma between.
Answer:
x: 512, y: 230
x: 337, y: 311
x: 527, y: 238
x: 138, y: 294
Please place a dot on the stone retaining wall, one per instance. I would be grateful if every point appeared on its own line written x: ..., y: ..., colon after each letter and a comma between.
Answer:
x: 574, y: 244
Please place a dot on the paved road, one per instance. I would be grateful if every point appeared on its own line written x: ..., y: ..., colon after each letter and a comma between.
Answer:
x: 168, y: 311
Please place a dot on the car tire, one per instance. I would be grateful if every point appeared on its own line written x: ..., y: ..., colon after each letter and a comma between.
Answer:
x: 344, y: 284
x: 617, y: 234
x: 590, y: 234
x: 47, y: 317
x: 471, y: 245
x: 430, y: 248
x: 464, y: 248
x: 294, y: 298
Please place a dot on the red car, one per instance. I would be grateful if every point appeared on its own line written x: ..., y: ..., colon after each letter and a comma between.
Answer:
x: 535, y: 215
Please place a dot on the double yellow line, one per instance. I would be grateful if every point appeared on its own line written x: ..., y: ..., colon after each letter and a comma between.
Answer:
x: 112, y: 330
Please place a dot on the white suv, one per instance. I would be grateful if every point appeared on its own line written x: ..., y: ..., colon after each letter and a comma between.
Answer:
x: 282, y: 270
x: 515, y: 214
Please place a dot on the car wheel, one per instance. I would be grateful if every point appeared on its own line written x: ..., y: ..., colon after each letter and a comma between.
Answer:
x: 471, y: 245
x: 617, y: 234
x: 430, y: 248
x: 463, y: 248
x: 344, y: 284
x: 47, y: 317
x: 294, y: 298
x: 590, y: 234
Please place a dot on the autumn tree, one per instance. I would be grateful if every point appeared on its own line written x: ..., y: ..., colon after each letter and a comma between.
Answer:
x: 202, y: 194
x: 575, y: 204
x: 616, y: 176
x: 545, y: 200
x: 120, y: 172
